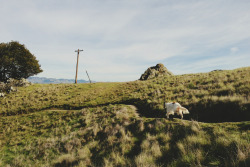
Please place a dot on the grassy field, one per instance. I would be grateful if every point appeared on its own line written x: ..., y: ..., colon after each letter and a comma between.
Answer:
x: 124, y: 124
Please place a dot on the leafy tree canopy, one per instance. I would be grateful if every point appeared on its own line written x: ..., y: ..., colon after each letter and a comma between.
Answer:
x: 17, y: 62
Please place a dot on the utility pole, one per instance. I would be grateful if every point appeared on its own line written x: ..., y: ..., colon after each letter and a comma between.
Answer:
x: 78, y: 52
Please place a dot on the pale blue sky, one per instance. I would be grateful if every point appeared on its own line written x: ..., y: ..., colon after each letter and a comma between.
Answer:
x: 122, y: 38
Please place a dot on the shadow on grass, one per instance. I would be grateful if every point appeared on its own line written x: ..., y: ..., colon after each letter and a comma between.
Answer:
x: 222, y: 111
x: 209, y: 111
x: 204, y: 111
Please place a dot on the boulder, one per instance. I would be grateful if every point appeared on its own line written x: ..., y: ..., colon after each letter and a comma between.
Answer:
x: 156, y: 71
x: 2, y: 94
x: 12, y: 84
x: 2, y: 87
x: 18, y: 83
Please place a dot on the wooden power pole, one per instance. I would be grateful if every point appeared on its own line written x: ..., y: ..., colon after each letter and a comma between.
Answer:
x: 78, y: 52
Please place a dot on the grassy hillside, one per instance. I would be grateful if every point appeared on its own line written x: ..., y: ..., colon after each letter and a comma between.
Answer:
x: 211, y: 97
x: 124, y: 124
x: 115, y: 135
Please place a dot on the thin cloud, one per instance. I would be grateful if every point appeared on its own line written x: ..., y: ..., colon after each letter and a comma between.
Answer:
x: 128, y: 36
x: 234, y: 49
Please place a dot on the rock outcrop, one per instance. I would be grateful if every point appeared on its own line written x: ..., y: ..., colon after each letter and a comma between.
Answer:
x: 2, y: 94
x: 156, y: 71
x: 18, y: 83
x: 12, y: 84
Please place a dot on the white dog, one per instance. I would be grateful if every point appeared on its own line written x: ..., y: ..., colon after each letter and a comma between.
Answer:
x: 174, y: 107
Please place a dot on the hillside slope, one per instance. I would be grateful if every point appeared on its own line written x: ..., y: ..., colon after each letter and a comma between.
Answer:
x: 211, y: 97
x: 114, y: 135
x: 124, y: 124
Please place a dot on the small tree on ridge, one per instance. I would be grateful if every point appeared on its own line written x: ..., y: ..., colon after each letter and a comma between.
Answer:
x: 17, y: 62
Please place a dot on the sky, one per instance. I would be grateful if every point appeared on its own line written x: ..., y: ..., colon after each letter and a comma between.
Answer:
x: 122, y: 38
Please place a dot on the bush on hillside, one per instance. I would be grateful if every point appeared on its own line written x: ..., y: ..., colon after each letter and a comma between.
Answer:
x: 17, y: 62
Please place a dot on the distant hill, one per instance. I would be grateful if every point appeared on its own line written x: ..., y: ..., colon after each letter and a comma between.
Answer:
x: 44, y: 80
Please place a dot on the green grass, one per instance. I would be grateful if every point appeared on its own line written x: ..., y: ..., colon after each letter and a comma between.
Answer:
x: 115, y: 135
x: 211, y: 97
x: 124, y: 124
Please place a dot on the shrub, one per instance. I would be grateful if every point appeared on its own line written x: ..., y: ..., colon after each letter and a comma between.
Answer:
x: 17, y: 62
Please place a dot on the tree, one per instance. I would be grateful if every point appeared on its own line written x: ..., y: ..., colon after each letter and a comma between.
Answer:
x: 17, y: 62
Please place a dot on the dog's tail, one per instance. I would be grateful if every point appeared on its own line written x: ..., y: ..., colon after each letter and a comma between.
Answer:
x: 184, y: 110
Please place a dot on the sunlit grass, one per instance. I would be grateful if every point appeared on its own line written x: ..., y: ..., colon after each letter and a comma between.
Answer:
x: 96, y: 136
x: 124, y: 124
